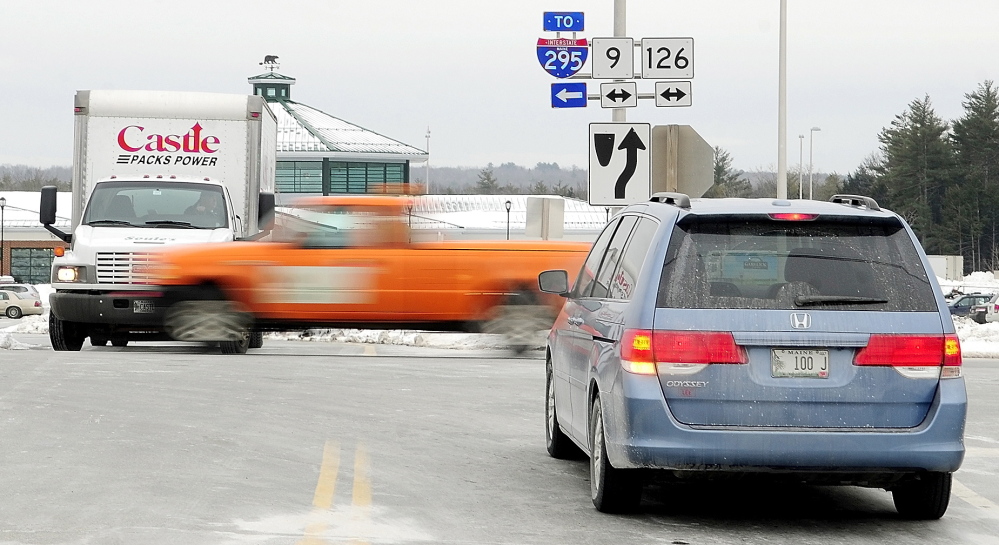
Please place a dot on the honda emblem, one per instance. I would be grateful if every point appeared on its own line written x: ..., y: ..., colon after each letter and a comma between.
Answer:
x: 801, y: 320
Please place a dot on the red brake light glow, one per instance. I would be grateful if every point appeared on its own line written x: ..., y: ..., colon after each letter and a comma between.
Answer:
x: 641, y: 349
x: 793, y: 216
x: 910, y: 351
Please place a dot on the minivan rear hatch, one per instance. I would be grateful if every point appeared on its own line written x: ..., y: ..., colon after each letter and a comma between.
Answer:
x: 814, y: 322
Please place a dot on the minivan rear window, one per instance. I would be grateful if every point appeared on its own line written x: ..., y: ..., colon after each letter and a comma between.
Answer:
x: 827, y: 264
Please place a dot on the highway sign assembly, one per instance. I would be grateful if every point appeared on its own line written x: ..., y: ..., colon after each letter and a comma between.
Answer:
x: 673, y: 93
x: 562, y: 57
x: 620, y: 163
x: 613, y: 58
x: 667, y: 58
x: 619, y: 94
x: 563, y: 21
x: 568, y: 95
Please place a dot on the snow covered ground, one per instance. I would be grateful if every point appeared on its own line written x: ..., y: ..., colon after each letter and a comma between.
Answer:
x: 977, y: 340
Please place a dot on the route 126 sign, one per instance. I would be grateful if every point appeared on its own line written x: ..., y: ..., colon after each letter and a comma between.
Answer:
x: 562, y: 57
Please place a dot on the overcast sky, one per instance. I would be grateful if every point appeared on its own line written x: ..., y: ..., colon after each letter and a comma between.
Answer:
x: 468, y: 69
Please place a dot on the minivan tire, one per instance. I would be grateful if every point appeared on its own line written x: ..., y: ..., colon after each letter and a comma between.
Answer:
x: 925, y: 498
x: 612, y: 490
x: 558, y: 443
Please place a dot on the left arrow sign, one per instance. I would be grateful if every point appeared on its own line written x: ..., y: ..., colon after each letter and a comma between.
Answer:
x: 568, y: 95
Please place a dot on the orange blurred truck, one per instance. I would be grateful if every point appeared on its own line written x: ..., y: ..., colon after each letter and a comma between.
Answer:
x: 350, y: 262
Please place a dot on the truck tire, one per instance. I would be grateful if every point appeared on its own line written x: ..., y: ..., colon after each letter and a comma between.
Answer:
x: 236, y: 347
x: 256, y: 339
x: 518, y: 320
x: 65, y: 336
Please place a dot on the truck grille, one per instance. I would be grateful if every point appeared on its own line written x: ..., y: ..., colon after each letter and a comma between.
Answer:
x: 124, y: 268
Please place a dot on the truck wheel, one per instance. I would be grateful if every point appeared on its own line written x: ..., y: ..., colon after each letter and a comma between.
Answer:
x: 65, y: 336
x: 98, y: 340
x: 13, y: 313
x: 519, y: 319
x: 923, y: 499
x: 236, y: 347
x: 256, y: 339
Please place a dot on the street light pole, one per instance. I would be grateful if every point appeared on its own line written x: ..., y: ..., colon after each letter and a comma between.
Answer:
x: 811, y: 133
x: 508, y: 204
x: 801, y: 161
x: 428, y: 161
x: 782, y: 105
x: 3, y: 260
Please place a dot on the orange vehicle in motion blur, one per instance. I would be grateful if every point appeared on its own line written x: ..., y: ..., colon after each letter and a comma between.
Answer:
x: 348, y: 261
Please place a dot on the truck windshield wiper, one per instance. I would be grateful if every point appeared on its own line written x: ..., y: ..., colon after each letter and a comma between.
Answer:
x: 171, y: 223
x: 811, y: 300
x: 110, y: 222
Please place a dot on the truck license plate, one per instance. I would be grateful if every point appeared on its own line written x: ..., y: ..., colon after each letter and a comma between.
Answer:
x: 141, y: 306
x: 793, y: 363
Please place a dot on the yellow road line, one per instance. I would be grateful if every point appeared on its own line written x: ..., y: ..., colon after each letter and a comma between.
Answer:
x: 322, y: 499
x: 361, y: 494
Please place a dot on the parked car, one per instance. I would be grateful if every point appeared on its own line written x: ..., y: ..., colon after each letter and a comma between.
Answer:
x: 986, y: 312
x: 21, y: 289
x: 774, y: 339
x: 14, y: 305
x: 962, y: 304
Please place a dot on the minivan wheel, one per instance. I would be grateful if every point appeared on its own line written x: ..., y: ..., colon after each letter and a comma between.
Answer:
x: 925, y: 498
x: 558, y: 443
x: 612, y: 490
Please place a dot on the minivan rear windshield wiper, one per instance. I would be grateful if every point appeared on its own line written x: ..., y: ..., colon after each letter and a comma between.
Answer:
x: 811, y: 300
x: 171, y: 223
x: 110, y: 222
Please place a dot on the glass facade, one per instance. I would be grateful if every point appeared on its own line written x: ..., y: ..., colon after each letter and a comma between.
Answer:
x: 343, y: 176
x: 31, y: 265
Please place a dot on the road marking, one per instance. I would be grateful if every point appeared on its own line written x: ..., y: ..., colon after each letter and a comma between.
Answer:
x: 322, y: 499
x: 976, y: 500
x: 361, y: 512
x: 369, y: 350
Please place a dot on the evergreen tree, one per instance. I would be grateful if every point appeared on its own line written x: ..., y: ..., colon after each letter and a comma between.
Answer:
x: 918, y: 168
x: 487, y: 184
x: 728, y: 182
x: 539, y: 187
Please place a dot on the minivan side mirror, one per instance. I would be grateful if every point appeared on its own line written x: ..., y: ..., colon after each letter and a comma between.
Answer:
x: 556, y: 281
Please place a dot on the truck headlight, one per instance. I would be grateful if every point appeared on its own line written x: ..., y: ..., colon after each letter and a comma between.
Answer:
x: 71, y: 273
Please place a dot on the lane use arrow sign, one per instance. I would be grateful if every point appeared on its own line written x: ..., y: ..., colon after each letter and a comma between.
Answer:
x: 673, y: 93
x: 568, y: 95
x: 619, y: 94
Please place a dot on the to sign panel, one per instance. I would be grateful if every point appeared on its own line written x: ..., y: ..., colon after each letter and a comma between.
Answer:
x: 620, y: 163
x: 613, y: 58
x: 668, y: 58
x: 563, y: 21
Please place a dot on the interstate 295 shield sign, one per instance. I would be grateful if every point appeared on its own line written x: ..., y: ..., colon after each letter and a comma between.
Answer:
x: 562, y: 57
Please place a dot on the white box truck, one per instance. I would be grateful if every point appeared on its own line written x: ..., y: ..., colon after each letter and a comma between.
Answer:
x: 152, y: 169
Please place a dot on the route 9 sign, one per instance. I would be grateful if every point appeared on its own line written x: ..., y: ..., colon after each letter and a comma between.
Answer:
x: 562, y: 57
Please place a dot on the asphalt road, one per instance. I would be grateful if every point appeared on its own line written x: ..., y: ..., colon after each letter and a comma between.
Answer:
x: 320, y: 443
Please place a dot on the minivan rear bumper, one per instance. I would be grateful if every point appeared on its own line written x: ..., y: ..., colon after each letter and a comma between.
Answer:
x: 641, y: 432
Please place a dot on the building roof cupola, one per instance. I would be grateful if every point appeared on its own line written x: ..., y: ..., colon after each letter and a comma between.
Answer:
x: 271, y: 85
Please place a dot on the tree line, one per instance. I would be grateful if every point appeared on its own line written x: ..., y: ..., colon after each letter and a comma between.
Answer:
x: 25, y: 178
x: 941, y: 176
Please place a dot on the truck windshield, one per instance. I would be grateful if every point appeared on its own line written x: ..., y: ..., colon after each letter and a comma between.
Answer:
x: 156, y: 204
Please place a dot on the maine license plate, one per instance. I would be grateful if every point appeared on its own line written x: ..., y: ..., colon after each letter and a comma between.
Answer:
x: 793, y: 363
x: 140, y: 306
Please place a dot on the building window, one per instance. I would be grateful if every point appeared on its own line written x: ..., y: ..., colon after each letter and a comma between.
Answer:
x: 31, y: 265
x: 299, y: 177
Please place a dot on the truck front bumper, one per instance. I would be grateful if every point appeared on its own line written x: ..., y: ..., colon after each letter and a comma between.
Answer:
x: 135, y: 309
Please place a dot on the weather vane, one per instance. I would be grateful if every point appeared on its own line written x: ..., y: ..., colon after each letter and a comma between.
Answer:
x: 270, y: 62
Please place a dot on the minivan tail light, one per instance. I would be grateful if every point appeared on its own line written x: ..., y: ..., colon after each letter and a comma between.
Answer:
x: 642, y: 350
x: 913, y: 351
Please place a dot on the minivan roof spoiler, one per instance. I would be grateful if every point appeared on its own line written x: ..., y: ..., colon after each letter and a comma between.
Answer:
x: 856, y: 200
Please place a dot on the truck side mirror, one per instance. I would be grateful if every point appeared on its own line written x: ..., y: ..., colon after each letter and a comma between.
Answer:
x: 265, y: 212
x: 47, y: 209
